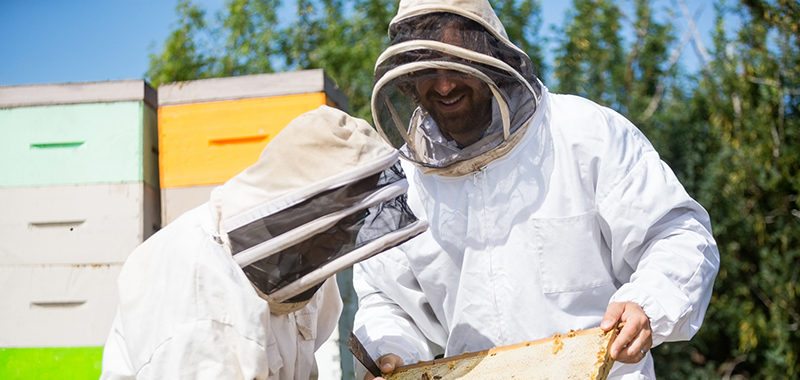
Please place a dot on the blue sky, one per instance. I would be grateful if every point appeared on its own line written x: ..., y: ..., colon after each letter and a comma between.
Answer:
x: 57, y: 41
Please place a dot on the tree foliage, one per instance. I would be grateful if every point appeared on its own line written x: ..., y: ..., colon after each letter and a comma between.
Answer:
x: 731, y: 135
x: 250, y: 37
x: 343, y: 37
x: 183, y: 57
x: 731, y: 132
x: 749, y: 98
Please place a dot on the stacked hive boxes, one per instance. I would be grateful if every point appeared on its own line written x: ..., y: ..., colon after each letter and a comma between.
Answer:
x: 78, y: 192
x: 212, y: 129
x: 81, y: 166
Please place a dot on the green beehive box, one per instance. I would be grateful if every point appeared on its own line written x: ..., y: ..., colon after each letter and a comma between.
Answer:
x: 75, y: 134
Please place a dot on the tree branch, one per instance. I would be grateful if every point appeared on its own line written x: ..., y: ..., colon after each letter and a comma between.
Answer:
x: 729, y: 365
x: 698, y: 42
x: 673, y: 59
x: 777, y: 136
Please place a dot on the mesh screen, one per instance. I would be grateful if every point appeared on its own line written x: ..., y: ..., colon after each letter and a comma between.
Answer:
x: 351, y: 232
x: 462, y: 32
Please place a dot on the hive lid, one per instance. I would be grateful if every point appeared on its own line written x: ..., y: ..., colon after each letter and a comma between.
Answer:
x: 78, y: 93
x: 251, y: 86
x: 579, y: 354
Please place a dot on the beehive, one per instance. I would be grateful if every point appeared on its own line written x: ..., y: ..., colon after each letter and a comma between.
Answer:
x: 78, y: 192
x: 575, y: 355
x: 212, y: 129
x: 78, y: 172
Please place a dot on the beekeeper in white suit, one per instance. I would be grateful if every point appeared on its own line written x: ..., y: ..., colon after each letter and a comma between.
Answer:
x: 241, y: 287
x: 547, y: 212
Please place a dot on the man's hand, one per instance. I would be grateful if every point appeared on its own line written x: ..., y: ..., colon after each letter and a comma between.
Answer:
x: 635, y: 338
x: 387, y: 363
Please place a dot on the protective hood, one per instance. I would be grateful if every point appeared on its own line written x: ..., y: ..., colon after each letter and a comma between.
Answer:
x: 480, y: 11
x: 325, y: 194
x: 450, y: 70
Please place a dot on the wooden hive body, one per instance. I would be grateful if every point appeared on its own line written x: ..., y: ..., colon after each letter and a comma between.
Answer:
x: 212, y: 129
x: 576, y: 355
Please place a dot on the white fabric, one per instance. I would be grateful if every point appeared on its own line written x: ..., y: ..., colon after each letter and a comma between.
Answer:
x: 582, y: 212
x: 187, y: 311
x: 480, y: 11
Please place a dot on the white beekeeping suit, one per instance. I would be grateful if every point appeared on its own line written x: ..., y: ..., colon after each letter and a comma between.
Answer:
x: 241, y: 287
x: 558, y: 208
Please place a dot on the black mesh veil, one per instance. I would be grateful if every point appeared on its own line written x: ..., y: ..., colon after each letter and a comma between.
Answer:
x: 334, y: 229
x: 499, y: 94
x: 471, y: 36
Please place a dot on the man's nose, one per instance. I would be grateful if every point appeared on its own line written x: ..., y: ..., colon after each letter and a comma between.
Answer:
x: 444, y: 83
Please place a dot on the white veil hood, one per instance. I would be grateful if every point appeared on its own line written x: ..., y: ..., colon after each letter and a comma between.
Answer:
x: 480, y: 51
x: 326, y: 193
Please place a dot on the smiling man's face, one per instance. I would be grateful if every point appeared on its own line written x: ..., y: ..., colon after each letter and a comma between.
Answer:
x: 460, y: 105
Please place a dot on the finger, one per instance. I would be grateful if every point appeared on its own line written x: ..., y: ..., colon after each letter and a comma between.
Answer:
x: 637, y: 350
x: 612, y: 316
x: 636, y: 337
x: 635, y: 321
x: 625, y: 337
x: 387, y: 363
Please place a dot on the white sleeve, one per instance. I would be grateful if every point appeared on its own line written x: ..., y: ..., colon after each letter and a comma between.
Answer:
x: 393, y: 314
x: 663, y: 251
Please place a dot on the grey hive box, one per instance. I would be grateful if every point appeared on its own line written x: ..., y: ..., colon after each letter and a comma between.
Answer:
x: 57, y: 305
x: 86, y: 224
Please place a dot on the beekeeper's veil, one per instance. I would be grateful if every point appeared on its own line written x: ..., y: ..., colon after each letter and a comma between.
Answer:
x: 326, y: 193
x: 462, y: 39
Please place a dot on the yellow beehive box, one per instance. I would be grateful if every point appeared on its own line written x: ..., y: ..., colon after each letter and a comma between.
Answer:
x: 575, y: 355
x: 212, y: 129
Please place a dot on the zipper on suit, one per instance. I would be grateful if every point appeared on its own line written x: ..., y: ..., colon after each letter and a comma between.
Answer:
x: 479, y: 173
x: 480, y: 182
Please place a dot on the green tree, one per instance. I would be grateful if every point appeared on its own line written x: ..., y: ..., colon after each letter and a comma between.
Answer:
x: 591, y: 59
x: 523, y: 21
x: 731, y: 135
x: 344, y: 38
x: 646, y: 74
x: 639, y: 78
x: 249, y: 29
x: 183, y: 56
x: 750, y: 102
x: 594, y: 61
